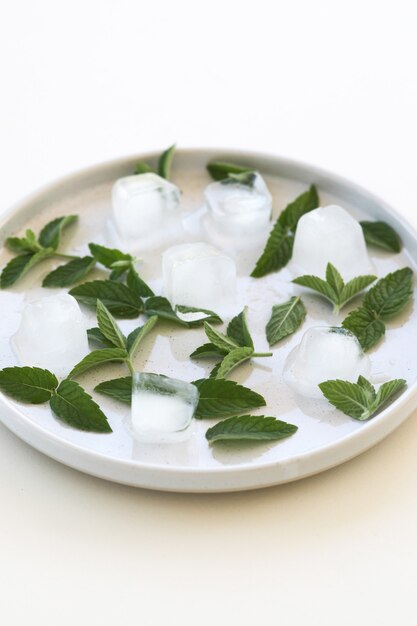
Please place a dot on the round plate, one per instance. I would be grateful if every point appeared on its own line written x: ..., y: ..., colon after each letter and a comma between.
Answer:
x: 325, y: 436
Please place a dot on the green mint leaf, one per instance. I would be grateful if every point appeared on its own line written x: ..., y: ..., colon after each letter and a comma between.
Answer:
x: 391, y: 294
x: 138, y: 334
x: 108, y: 256
x: 137, y: 285
x: 387, y: 391
x: 186, y: 314
x: 221, y: 398
x: 165, y: 162
x: 21, y: 245
x: 219, y: 339
x: 365, y: 325
x: 20, y: 265
x: 350, y: 398
x: 117, y: 388
x: 250, y: 427
x: 286, y: 318
x: 303, y: 204
x: 233, y: 359
x: 215, y: 370
x: 334, y: 280
x: 50, y: 234
x: 28, y: 384
x: 219, y: 170
x: 368, y: 388
x: 355, y: 286
x: 76, y: 408
x: 208, y: 350
x: 98, y: 357
x: 119, y: 299
x: 317, y: 284
x: 160, y: 306
x: 95, y: 334
x: 70, y: 273
x: 238, y: 329
x: 381, y: 235
x: 277, y: 252
x: 108, y: 327
x: 143, y: 168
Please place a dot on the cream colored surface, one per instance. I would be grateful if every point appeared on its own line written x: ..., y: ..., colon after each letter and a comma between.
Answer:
x: 338, y: 90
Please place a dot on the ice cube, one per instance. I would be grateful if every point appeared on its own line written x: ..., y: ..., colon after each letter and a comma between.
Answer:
x: 52, y: 334
x: 239, y: 211
x: 198, y: 275
x: 329, y: 234
x: 162, y: 407
x: 324, y: 353
x: 145, y: 209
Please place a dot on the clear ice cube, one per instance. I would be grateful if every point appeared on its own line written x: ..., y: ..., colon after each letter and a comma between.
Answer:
x: 238, y: 211
x: 145, y: 209
x: 52, y: 334
x: 198, y: 275
x: 324, y: 353
x: 329, y: 234
x: 162, y: 407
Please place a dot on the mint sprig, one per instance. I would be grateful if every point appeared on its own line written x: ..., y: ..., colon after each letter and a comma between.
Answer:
x: 334, y: 288
x: 278, y: 249
x: 385, y: 300
x: 70, y: 402
x: 286, y: 318
x: 250, y: 428
x: 32, y: 250
x: 360, y: 400
x: 381, y: 235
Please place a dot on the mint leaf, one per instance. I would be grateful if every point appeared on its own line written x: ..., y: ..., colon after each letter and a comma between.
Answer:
x: 28, y: 384
x: 221, y: 398
x: 334, y: 288
x: 219, y: 170
x: 165, y: 162
x: 117, y: 388
x: 138, y: 334
x: 303, y: 204
x: 143, y: 168
x: 22, y: 245
x: 278, y: 249
x: 358, y: 400
x: 137, y: 285
x: 70, y: 273
x: 238, y: 329
x: 119, y: 299
x: 277, y: 252
x: 366, y: 326
x: 20, y: 265
x: 108, y: 327
x: 77, y: 409
x: 286, y: 318
x: 219, y: 339
x: 108, y: 256
x: 250, y: 427
x: 208, y: 350
x: 50, y: 234
x: 233, y: 359
x: 95, y: 334
x: 245, y: 178
x: 381, y: 235
x: 215, y: 370
x: 160, y: 306
x: 98, y: 357
x: 185, y: 314
x: 391, y: 294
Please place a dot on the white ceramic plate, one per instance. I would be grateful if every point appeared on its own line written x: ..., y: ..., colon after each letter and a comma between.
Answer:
x: 325, y: 437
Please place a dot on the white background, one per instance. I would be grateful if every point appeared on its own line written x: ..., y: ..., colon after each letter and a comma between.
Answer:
x: 333, y: 83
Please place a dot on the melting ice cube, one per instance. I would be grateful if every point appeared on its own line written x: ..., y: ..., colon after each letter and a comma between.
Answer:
x: 324, y: 353
x: 145, y: 209
x: 162, y: 407
x: 329, y: 234
x: 240, y: 209
x: 52, y: 334
x: 198, y: 275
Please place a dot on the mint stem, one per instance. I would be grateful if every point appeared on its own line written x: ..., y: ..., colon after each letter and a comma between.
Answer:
x: 130, y: 366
